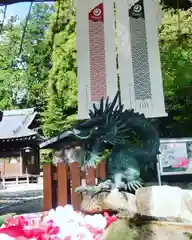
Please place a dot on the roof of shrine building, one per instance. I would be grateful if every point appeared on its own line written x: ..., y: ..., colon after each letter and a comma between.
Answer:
x: 15, y: 125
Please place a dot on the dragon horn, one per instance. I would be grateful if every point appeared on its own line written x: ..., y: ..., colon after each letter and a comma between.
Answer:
x: 80, y: 137
x: 121, y: 107
x: 116, y: 108
x: 91, y: 114
x: 101, y: 105
x: 107, y: 103
x: 95, y: 108
x: 114, y: 102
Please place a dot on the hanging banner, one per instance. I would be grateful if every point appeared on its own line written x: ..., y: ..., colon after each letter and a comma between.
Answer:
x: 139, y: 59
x: 139, y: 66
x: 140, y: 62
x: 96, y: 55
x: 98, y: 84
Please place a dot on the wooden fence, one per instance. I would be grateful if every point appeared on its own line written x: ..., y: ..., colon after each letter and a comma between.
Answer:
x: 60, y: 183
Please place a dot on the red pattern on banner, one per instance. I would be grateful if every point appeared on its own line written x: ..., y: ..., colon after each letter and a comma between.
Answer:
x: 97, y: 54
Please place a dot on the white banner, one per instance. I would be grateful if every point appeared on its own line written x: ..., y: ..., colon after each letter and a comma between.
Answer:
x: 139, y: 60
x: 96, y: 53
x: 138, y: 55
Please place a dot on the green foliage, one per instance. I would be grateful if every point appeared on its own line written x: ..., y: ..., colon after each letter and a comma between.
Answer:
x: 23, y: 76
x: 8, y: 75
x: 61, y: 105
x: 37, y: 54
x: 176, y: 58
x: 24, y: 67
x: 176, y: 4
x: 45, y: 156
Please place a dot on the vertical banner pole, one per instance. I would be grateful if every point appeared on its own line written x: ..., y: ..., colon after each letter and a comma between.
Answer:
x: 110, y: 49
x: 124, y: 54
x: 83, y: 63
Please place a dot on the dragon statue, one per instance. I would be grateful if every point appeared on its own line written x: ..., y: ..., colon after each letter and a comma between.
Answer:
x: 130, y: 140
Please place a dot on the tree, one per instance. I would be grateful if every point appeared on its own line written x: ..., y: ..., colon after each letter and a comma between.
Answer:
x: 8, y: 73
x: 61, y: 104
x: 37, y: 54
x: 176, y: 4
x: 24, y: 65
x: 176, y: 58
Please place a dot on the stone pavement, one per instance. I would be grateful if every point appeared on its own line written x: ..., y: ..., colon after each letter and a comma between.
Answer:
x: 21, y: 199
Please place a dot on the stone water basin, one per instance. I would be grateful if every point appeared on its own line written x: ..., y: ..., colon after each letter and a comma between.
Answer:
x: 154, y: 230
x: 153, y: 213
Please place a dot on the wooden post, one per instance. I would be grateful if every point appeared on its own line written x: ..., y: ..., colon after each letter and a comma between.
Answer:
x: 21, y: 163
x: 90, y: 176
x: 47, y: 186
x: 62, y: 184
x: 4, y: 162
x: 37, y: 160
x: 28, y: 180
x: 76, y: 182
x: 64, y: 193
x: 102, y: 171
x: 17, y: 180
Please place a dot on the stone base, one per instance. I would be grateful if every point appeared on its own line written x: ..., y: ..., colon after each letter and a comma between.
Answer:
x: 165, y: 202
x: 114, y: 201
x: 125, y: 230
x: 162, y: 203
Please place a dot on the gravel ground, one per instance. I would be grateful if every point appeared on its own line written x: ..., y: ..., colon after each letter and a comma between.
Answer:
x: 21, y: 199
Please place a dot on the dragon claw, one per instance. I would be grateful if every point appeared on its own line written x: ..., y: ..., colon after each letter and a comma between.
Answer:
x: 107, y: 185
x: 139, y: 184
x: 129, y: 186
x: 85, y: 189
x: 104, y: 186
x: 134, y: 185
x: 121, y: 185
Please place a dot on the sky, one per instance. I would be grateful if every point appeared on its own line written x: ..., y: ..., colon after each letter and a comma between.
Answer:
x: 20, y: 9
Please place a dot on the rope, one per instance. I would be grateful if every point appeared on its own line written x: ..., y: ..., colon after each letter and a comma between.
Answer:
x: 178, y: 17
x: 3, y: 20
x: 69, y: 12
x: 25, y: 28
x: 56, y: 23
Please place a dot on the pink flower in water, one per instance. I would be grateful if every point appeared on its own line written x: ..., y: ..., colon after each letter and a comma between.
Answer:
x: 182, y: 163
x: 87, y: 227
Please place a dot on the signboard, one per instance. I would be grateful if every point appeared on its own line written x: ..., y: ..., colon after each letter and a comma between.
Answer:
x: 175, y: 157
